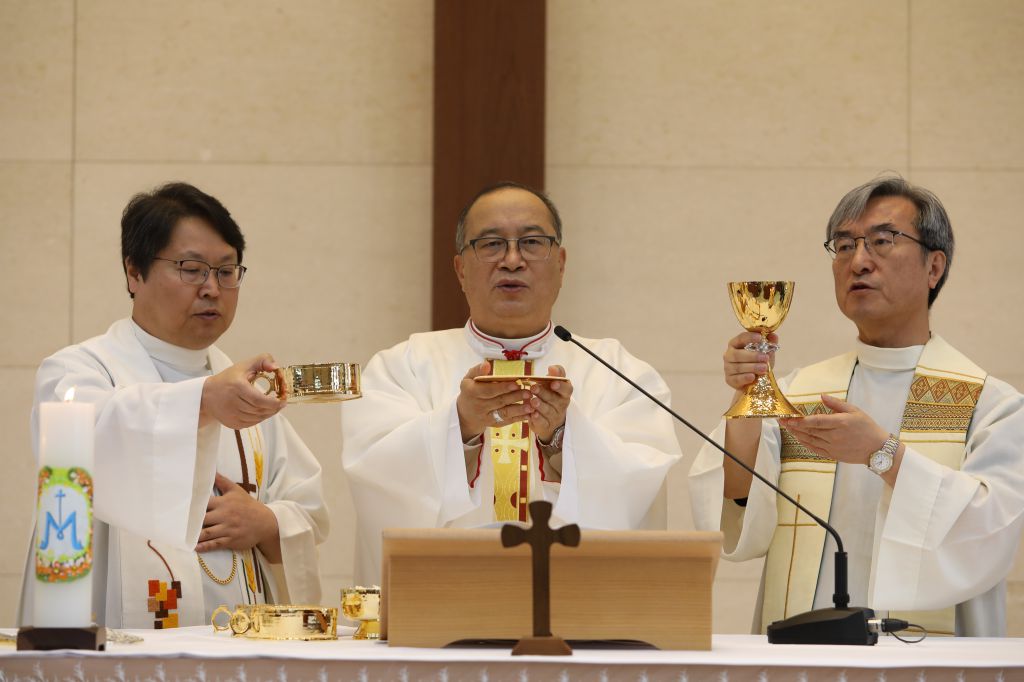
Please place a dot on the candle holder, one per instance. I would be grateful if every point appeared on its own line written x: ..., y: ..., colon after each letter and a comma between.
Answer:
x: 46, y: 639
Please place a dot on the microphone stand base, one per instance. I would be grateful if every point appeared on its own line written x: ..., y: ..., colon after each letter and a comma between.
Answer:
x: 825, y: 626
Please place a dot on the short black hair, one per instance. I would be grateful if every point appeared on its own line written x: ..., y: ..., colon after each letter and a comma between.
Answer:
x: 460, y: 226
x: 149, y: 220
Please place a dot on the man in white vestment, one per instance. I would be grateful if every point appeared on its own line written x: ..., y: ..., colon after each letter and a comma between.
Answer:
x: 431, y: 446
x: 204, y: 495
x: 913, y: 453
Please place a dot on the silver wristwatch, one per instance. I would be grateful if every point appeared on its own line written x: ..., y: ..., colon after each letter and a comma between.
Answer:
x: 555, y: 444
x: 881, y: 461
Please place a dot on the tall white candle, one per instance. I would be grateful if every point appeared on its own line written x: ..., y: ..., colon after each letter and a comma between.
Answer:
x: 64, y: 547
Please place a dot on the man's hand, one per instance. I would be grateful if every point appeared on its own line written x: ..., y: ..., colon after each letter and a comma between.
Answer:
x: 235, y: 520
x: 230, y: 399
x: 549, y: 402
x: 479, y: 402
x: 742, y: 367
x: 847, y: 435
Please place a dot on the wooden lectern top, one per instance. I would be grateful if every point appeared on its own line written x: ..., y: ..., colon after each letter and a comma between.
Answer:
x: 441, y: 585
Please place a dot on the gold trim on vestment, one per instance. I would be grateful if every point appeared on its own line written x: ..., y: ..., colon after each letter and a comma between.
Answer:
x: 936, y: 404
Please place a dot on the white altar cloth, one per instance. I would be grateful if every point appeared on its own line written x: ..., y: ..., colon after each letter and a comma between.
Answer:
x: 197, y: 653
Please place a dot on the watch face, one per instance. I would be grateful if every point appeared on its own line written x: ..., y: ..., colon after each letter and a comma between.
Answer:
x: 880, y: 462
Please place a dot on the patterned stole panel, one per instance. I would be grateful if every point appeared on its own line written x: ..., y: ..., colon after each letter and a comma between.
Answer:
x: 511, y: 447
x: 935, y: 422
x: 936, y: 417
x: 794, y: 558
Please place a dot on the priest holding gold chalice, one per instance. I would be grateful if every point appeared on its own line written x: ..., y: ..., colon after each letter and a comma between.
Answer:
x: 465, y: 427
x: 910, y: 450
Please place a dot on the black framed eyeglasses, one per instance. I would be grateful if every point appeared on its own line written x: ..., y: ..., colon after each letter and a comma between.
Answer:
x: 532, y: 247
x: 878, y: 242
x: 194, y: 271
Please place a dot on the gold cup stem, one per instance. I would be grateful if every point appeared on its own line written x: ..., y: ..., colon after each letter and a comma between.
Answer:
x: 762, y: 399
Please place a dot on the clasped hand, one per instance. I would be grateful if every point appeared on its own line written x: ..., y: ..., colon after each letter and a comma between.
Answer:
x: 543, y: 405
x: 235, y: 520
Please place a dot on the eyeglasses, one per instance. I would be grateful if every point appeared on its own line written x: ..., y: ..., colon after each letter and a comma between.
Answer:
x: 877, y: 242
x: 197, y: 272
x: 493, y: 249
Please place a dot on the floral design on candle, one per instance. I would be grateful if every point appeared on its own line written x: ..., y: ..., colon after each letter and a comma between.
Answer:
x: 64, y: 532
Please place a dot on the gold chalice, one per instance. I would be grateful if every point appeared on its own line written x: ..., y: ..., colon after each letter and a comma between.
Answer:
x: 328, y: 382
x: 761, y: 307
x: 362, y: 604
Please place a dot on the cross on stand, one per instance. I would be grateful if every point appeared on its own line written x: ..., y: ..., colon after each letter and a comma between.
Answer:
x: 540, y: 537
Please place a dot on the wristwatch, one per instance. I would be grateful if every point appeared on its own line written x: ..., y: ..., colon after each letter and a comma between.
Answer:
x: 555, y: 444
x: 881, y: 461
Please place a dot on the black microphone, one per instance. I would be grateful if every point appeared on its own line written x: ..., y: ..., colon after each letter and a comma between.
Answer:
x: 841, y: 624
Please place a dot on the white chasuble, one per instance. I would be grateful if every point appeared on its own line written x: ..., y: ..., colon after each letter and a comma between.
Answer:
x: 154, y: 474
x: 407, y: 465
x: 911, y: 547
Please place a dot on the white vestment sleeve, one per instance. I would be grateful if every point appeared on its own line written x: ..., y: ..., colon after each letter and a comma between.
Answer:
x: 294, y: 492
x: 748, y: 530
x: 951, y: 535
x: 618, y: 445
x: 146, y: 447
x: 403, y: 456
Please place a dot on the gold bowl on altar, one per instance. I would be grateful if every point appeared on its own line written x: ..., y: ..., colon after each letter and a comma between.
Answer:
x: 279, y: 621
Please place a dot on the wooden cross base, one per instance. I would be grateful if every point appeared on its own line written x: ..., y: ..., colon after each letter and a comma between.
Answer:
x: 542, y: 646
x: 46, y: 639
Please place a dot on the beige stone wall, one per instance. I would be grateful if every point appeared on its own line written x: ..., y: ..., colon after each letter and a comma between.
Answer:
x: 689, y: 143
x: 694, y: 143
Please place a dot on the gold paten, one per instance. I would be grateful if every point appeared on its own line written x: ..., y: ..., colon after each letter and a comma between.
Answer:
x: 279, y: 621
x: 328, y: 382
x: 363, y: 604
x: 761, y: 307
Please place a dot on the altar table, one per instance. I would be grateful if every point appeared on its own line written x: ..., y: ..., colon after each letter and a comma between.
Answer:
x: 198, y: 654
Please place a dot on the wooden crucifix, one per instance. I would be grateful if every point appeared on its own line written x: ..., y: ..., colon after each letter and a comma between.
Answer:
x: 540, y: 537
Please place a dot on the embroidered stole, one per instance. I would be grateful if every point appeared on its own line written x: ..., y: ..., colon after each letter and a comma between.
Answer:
x: 511, y: 450
x: 163, y: 594
x: 936, y: 417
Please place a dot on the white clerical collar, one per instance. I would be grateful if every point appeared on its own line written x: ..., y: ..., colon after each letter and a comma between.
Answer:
x: 492, y: 347
x: 889, y: 359
x: 184, y: 360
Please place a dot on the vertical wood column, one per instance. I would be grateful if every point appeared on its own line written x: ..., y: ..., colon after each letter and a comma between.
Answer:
x: 489, y: 61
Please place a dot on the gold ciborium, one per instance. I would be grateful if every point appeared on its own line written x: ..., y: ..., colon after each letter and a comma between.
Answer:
x: 761, y: 307
x: 328, y: 382
x: 362, y: 604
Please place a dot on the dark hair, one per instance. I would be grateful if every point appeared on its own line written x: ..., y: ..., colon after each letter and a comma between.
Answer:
x: 460, y: 228
x: 932, y: 221
x: 149, y: 220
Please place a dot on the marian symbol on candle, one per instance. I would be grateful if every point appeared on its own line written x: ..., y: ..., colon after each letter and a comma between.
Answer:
x: 64, y: 533
x: 61, y: 525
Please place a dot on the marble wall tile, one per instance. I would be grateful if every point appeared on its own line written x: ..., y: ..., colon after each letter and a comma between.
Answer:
x: 264, y: 81
x: 727, y: 84
x: 337, y: 256
x: 981, y: 294
x: 967, y: 84
x: 36, y: 72
x: 650, y: 252
x: 10, y: 596
x: 35, y: 250
x: 17, y: 486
